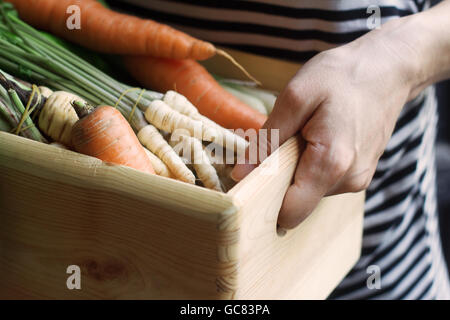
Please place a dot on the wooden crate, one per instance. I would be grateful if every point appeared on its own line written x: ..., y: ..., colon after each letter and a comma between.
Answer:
x: 139, y: 236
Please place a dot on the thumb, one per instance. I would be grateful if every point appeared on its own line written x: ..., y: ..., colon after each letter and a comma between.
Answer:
x: 293, y: 107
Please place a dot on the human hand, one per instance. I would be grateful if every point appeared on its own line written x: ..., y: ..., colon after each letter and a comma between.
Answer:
x: 344, y: 103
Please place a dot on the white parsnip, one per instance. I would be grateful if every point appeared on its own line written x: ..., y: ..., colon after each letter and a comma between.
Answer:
x: 200, y: 160
x: 165, y: 118
x: 180, y: 103
x: 46, y: 92
x: 223, y: 136
x: 222, y: 168
x: 224, y: 173
x: 159, y: 166
x: 57, y: 116
x: 150, y: 137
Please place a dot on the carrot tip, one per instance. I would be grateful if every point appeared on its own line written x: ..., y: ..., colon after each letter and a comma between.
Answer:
x: 233, y: 61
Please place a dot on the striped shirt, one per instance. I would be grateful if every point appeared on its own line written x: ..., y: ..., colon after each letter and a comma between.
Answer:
x: 401, y: 231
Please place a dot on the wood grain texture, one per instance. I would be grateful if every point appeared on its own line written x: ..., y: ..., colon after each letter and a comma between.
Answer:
x: 307, y: 262
x: 134, y: 235
x: 139, y: 236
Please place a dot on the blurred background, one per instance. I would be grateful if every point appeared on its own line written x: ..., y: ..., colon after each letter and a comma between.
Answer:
x: 443, y: 162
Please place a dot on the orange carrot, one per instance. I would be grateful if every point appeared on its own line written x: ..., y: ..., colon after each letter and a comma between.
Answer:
x: 104, y: 30
x: 194, y: 82
x: 105, y: 134
x: 108, y: 31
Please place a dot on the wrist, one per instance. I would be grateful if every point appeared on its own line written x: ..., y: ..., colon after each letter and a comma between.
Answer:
x: 394, y: 56
x: 422, y: 42
x: 408, y: 45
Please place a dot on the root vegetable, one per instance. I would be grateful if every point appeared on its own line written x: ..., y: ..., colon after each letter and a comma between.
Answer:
x: 224, y: 137
x: 111, y: 32
x: 45, y: 92
x: 150, y: 137
x: 165, y: 118
x: 222, y: 168
x: 108, y: 31
x: 158, y: 165
x: 57, y: 117
x: 200, y: 160
x: 194, y: 82
x: 105, y: 134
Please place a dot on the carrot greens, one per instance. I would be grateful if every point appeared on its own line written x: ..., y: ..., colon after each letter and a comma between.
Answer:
x: 34, y: 56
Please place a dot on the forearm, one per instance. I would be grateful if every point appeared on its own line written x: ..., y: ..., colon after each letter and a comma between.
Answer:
x: 416, y: 48
x: 425, y: 39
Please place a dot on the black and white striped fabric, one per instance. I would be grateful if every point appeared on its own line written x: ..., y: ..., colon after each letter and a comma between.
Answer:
x: 401, y: 231
x: 288, y: 29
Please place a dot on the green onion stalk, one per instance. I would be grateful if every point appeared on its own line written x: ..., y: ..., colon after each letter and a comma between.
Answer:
x: 6, y: 116
x: 29, y: 54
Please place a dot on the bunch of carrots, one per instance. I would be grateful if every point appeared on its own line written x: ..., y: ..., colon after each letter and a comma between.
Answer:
x: 126, y: 119
x: 103, y: 132
x: 88, y: 111
x: 158, y: 56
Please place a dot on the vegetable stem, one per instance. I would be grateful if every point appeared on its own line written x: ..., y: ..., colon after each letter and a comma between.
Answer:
x: 30, y: 53
x: 31, y: 129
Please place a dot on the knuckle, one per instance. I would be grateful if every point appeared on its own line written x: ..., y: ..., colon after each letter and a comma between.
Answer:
x: 292, y: 96
x: 367, y: 182
x: 341, y: 158
x: 335, y: 158
x: 359, y: 184
x: 341, y: 165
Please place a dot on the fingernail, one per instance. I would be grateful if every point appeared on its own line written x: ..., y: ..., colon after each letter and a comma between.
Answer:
x: 240, y: 171
x: 281, y: 231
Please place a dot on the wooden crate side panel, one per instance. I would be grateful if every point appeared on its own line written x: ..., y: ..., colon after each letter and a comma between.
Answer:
x: 308, y: 261
x: 128, y: 245
x: 57, y: 164
x: 338, y: 252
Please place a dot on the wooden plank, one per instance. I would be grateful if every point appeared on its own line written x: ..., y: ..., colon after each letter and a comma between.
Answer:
x: 57, y: 164
x: 131, y: 243
x: 134, y: 235
x: 310, y: 260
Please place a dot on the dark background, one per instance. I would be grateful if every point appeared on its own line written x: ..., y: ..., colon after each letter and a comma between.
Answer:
x: 443, y: 162
x: 443, y: 165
